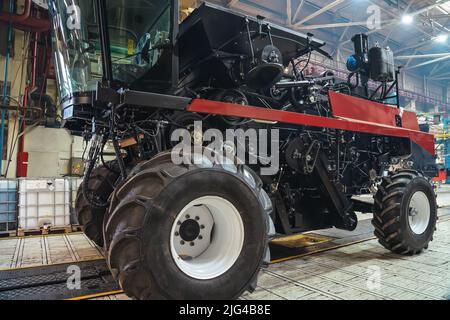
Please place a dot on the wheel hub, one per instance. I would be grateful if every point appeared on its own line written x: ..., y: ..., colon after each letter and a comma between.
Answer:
x: 419, y: 213
x: 207, y: 237
x: 189, y: 230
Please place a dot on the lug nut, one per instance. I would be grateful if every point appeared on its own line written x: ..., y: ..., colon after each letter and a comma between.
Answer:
x: 192, y: 244
x: 188, y: 216
x: 200, y: 237
x: 179, y: 223
x: 197, y: 218
x: 202, y: 227
x: 176, y: 234
x: 182, y: 243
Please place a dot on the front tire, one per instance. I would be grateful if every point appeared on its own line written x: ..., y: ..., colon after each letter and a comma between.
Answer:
x: 101, y: 183
x: 187, y: 232
x: 405, y: 213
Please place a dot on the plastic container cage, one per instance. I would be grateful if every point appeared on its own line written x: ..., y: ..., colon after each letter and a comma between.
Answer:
x: 8, y: 205
x: 44, y: 203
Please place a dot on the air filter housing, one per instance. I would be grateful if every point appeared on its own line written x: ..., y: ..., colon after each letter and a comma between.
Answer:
x: 382, y: 64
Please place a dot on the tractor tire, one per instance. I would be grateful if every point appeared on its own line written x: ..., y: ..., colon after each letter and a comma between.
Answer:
x: 187, y: 231
x: 101, y: 182
x: 405, y: 213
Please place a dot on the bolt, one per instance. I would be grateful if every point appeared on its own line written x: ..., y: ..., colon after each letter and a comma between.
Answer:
x: 179, y: 223
x: 182, y: 243
x: 202, y: 227
x: 200, y: 237
x: 188, y: 216
x: 197, y: 218
x: 192, y: 244
x: 177, y: 234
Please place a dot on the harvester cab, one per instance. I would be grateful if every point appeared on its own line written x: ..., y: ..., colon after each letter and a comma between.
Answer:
x: 116, y: 42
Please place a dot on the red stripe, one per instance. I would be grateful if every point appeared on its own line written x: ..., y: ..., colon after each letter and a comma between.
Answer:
x: 424, y: 140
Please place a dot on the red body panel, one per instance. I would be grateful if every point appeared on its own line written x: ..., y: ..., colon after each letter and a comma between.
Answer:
x: 442, y: 176
x: 348, y: 107
x: 426, y: 141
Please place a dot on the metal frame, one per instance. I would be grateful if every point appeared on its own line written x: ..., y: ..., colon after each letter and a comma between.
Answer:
x: 102, y: 20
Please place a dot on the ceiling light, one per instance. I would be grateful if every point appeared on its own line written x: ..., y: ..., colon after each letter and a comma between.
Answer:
x: 442, y: 38
x: 407, y: 19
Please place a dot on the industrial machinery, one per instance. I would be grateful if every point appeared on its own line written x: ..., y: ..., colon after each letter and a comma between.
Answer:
x: 129, y: 73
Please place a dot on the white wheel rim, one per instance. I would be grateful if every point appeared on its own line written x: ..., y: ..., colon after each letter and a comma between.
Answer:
x: 419, y: 213
x: 219, y: 237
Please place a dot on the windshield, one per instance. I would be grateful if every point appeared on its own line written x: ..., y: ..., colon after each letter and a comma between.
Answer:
x: 138, y: 32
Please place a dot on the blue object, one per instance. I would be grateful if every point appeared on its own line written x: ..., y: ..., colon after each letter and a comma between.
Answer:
x: 8, y: 205
x: 352, y: 63
x: 446, y: 142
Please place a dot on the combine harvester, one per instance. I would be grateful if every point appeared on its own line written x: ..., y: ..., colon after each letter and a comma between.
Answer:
x: 130, y: 74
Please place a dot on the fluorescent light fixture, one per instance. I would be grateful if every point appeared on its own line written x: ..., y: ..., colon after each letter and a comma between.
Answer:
x: 442, y: 38
x: 407, y: 19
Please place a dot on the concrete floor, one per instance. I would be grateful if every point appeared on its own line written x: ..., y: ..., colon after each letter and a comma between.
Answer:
x: 363, y: 271
x: 45, y: 250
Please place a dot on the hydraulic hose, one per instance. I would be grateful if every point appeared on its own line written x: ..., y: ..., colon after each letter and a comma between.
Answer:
x: 93, y: 155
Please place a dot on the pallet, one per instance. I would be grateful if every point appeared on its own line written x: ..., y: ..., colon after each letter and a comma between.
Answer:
x: 8, y: 234
x: 43, y: 231
x: 77, y: 228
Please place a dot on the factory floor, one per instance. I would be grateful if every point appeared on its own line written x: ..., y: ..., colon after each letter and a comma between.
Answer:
x: 353, y: 267
x: 363, y: 271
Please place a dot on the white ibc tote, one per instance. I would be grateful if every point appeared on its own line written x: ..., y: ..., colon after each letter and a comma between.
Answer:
x: 44, y: 203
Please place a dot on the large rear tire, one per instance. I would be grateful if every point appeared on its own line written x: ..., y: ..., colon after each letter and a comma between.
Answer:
x: 101, y: 183
x: 405, y: 213
x: 187, y: 232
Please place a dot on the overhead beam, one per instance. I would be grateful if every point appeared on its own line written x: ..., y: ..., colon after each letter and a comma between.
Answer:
x: 297, y: 11
x: 428, y: 8
x: 289, y: 12
x: 441, y: 78
x: 423, y: 56
x: 231, y: 3
x: 336, y: 25
x: 320, y: 11
x: 414, y: 46
x: 435, y: 68
x: 343, y: 35
x: 429, y: 62
x: 410, y: 60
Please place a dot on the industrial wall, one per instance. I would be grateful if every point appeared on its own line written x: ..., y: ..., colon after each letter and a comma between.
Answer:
x: 16, y: 78
x: 50, y: 150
